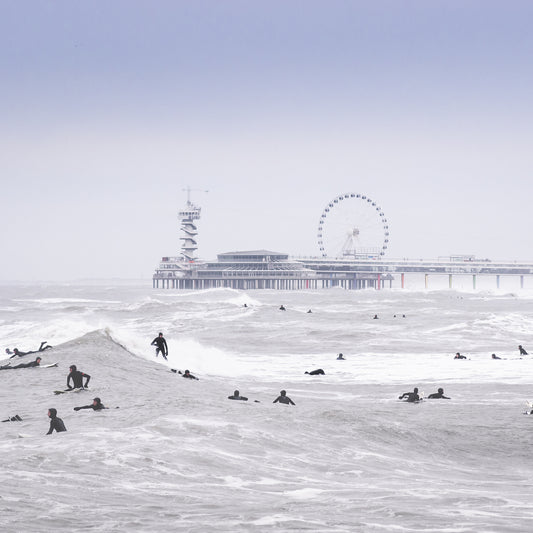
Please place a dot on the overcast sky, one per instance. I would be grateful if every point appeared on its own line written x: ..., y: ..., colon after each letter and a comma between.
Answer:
x: 110, y: 109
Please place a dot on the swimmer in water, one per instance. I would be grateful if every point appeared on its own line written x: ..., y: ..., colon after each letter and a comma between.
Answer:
x: 437, y: 395
x: 283, y: 398
x: 340, y: 357
x: 494, y: 356
x: 317, y: 372
x: 410, y: 396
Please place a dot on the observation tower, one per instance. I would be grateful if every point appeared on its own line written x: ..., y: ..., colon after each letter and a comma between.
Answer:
x: 188, y: 229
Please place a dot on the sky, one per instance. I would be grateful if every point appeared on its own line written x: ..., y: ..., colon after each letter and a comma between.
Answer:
x: 111, y: 109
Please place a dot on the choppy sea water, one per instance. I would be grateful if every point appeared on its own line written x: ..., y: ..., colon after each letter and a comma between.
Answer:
x: 178, y: 456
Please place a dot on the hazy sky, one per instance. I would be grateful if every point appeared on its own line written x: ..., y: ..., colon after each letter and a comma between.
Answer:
x: 110, y: 108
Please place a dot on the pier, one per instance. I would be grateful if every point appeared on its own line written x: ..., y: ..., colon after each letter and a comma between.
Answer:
x: 263, y: 269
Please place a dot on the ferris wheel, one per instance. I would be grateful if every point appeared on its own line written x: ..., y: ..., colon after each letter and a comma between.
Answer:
x: 353, y: 226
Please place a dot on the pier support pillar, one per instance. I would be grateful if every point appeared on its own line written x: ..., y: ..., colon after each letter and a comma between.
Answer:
x: 498, y: 281
x: 474, y: 281
x: 521, y: 282
x: 426, y: 280
x: 403, y: 280
x: 379, y: 282
x: 450, y: 280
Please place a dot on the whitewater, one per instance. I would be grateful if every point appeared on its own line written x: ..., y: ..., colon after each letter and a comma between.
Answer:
x: 172, y: 454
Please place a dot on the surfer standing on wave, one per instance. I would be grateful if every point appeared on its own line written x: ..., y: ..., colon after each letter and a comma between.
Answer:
x: 161, y: 344
x: 77, y: 378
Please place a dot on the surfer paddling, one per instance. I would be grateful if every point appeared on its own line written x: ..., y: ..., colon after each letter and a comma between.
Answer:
x: 97, y: 405
x: 17, y: 352
x: 437, y: 395
x: 410, y: 396
x: 33, y: 364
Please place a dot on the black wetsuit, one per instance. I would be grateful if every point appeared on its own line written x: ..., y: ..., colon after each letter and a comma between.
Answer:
x: 522, y: 351
x: 42, y: 348
x: 22, y: 365
x: 317, y: 372
x: 97, y: 407
x: 410, y: 396
x: 189, y: 375
x: 57, y: 424
x: 243, y: 398
x: 437, y: 395
x: 459, y: 356
x: 284, y: 399
x: 162, y: 347
x: 77, y: 379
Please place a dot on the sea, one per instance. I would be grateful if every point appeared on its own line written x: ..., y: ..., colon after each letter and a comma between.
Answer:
x: 173, y: 454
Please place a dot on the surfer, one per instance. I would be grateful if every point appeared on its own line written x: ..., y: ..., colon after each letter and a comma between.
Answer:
x: 55, y: 422
x: 375, y: 317
x: 340, y: 357
x: 77, y: 378
x: 97, y: 405
x: 42, y: 348
x: 35, y: 363
x: 161, y: 344
x: 317, y: 372
x: 459, y: 356
x: 410, y: 396
x: 187, y: 374
x: 15, y: 418
x: 521, y: 350
x: 283, y: 398
x: 237, y: 396
x: 494, y: 356
x: 282, y: 308
x: 437, y: 395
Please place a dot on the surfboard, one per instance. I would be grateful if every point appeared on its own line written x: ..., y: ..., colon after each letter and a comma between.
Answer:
x: 68, y: 390
x: 24, y: 435
x: 48, y: 366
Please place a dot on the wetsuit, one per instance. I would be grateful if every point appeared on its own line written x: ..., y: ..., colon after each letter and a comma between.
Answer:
x: 77, y: 379
x: 161, y: 344
x: 41, y: 349
x: 22, y: 365
x: 284, y: 399
x: 522, y: 351
x: 98, y: 407
x: 57, y: 424
x: 317, y: 372
x: 187, y: 374
x: 438, y: 395
x: 410, y: 396
x: 243, y: 398
x: 459, y: 356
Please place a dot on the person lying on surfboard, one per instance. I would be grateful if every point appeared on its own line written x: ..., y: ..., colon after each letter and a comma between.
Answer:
x: 97, y: 405
x: 37, y: 362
